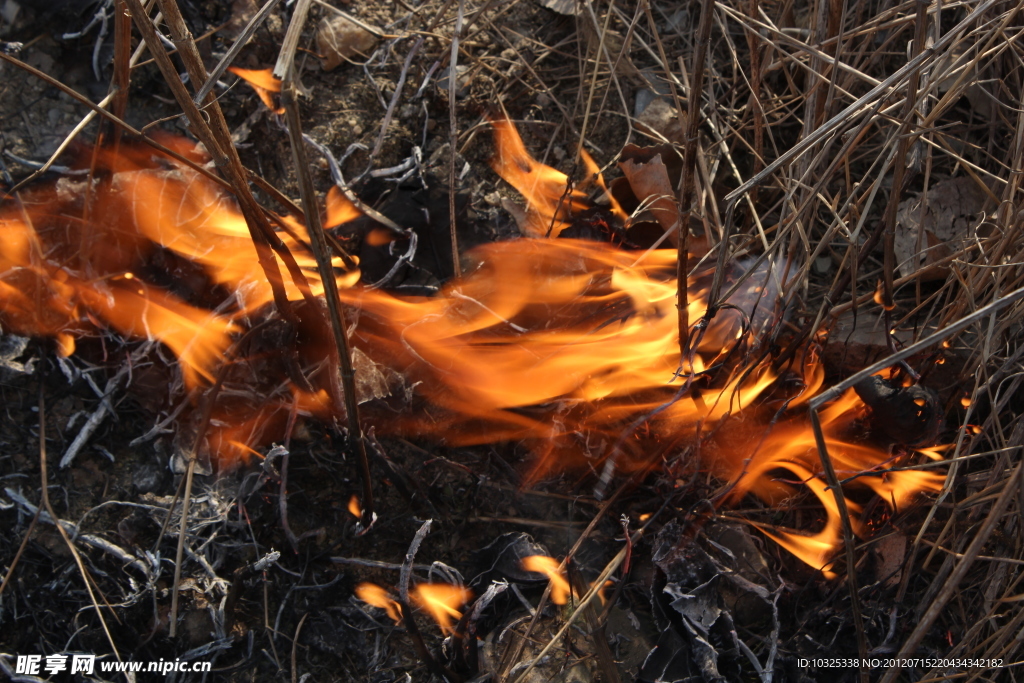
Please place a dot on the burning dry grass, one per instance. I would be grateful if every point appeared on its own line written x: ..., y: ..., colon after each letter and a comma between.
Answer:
x: 561, y: 343
x: 815, y: 127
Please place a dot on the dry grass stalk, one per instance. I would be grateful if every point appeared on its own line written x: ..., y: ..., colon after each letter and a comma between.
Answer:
x: 318, y: 242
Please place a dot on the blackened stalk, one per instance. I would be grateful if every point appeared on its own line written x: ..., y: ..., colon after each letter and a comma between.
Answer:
x: 318, y: 242
x: 848, y: 539
x: 689, y: 165
x: 404, y: 578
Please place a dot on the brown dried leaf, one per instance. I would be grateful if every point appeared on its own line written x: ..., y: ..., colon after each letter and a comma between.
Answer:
x: 892, y: 551
x: 652, y: 187
x: 373, y: 380
x: 949, y: 217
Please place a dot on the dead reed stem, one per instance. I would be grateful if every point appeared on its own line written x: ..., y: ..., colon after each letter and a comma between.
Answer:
x: 453, y: 137
x: 322, y: 253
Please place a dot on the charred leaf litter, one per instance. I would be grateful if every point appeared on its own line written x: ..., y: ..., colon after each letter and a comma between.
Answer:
x: 278, y: 572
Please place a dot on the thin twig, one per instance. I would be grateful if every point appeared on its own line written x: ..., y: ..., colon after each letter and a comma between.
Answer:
x: 900, y: 167
x: 687, y: 181
x: 924, y: 624
x: 240, y: 42
x: 44, y: 485
x: 848, y: 538
x: 318, y: 242
x: 857, y: 107
x: 295, y: 648
x: 834, y: 392
x: 453, y: 137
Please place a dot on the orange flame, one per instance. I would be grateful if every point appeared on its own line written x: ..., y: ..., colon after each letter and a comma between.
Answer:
x: 879, y: 297
x: 59, y: 272
x: 548, y: 566
x: 263, y: 82
x: 441, y: 601
x: 569, y: 345
x: 354, y: 508
x: 372, y: 594
x: 790, y: 447
x: 134, y: 309
x: 594, y: 172
x: 549, y: 198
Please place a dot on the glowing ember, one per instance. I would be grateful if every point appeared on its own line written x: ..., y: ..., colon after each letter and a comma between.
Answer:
x: 372, y: 594
x: 441, y: 601
x: 548, y: 566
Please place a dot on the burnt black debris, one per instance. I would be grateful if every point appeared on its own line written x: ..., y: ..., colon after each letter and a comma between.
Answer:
x: 907, y: 415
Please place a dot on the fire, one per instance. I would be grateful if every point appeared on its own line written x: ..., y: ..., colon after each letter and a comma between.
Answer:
x: 550, y: 200
x: 372, y: 594
x: 60, y: 272
x: 263, y: 82
x: 441, y: 601
x: 354, y: 508
x: 41, y: 294
x: 569, y: 345
x: 879, y: 298
x: 548, y: 566
x: 790, y: 447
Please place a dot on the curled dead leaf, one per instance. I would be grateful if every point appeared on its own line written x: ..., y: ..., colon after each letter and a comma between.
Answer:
x: 949, y: 216
x: 650, y: 183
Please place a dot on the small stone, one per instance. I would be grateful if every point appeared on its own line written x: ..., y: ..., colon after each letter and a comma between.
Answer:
x: 543, y: 101
x: 643, y: 99
x: 148, y: 476
x: 662, y: 118
x: 461, y: 81
x: 822, y: 265
x: 338, y: 39
x: 40, y: 60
